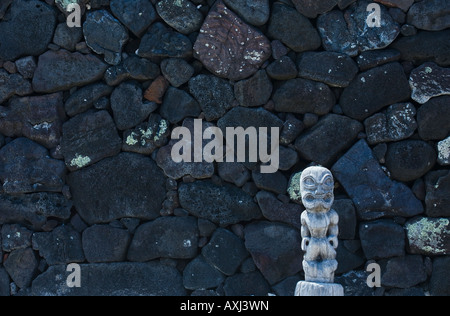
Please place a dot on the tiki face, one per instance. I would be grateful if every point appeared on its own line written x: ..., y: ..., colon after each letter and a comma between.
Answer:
x: 316, y: 187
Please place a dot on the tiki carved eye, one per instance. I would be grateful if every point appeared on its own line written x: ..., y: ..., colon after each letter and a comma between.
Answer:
x: 309, y: 182
x: 328, y: 181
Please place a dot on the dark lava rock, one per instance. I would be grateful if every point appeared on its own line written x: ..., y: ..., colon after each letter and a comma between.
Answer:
x: 201, y: 200
x: 4, y: 6
x: 84, y: 98
x: 228, y: 47
x: 5, y: 289
x: 225, y: 251
x: 61, y: 246
x: 429, y: 81
x: 146, y: 137
x: 304, y: 96
x: 26, y: 66
x: 246, y: 284
x: 292, y: 29
x: 26, y: 29
x: 277, y: 211
x: 312, y: 8
x: 348, y: 260
x: 328, y: 138
x: 177, y: 71
x: 234, y: 172
x: 118, y: 187
x: 179, y: 105
x: 199, y: 274
x: 374, y: 89
x: 347, y: 218
x: 112, y: 279
x: 182, y: 15
x: 255, y: 12
x: 255, y: 91
x: 282, y: 69
x: 334, y: 69
x: 355, y: 284
x: 38, y: 118
x: 440, y: 278
x: 215, y: 95
x: 246, y: 117
x: 410, y: 159
x: 433, y: 118
x: 62, y: 70
x: 26, y: 167
x: 105, y: 35
x: 425, y: 46
x: 104, y: 243
x: 348, y: 32
x: 166, y: 237
x: 88, y: 138
x: 273, y: 182
x: 15, y: 237
x: 177, y: 170
x: 32, y: 210
x: 13, y: 84
x: 136, y: 15
x: 128, y: 107
x: 404, y: 272
x: 67, y: 37
x: 21, y: 266
x: 428, y: 236
x: 291, y: 129
x: 160, y: 41
x: 431, y: 15
x: 438, y: 193
x: 134, y: 68
x: 275, y: 248
x: 397, y: 123
x: 374, y: 194
x: 374, y: 58
x: 382, y: 239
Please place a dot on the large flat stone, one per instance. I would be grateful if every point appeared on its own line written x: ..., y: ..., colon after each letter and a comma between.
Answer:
x: 38, y: 118
x: 127, y: 185
x: 26, y: 29
x: 374, y: 194
x: 201, y: 200
x: 62, y: 70
x: 114, y: 279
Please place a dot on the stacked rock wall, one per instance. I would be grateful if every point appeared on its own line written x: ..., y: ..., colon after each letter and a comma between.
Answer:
x: 86, y: 155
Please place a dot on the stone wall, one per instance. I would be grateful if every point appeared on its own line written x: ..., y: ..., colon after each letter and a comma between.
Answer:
x: 87, y: 175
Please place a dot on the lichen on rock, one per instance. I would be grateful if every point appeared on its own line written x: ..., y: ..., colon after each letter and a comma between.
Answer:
x: 429, y: 236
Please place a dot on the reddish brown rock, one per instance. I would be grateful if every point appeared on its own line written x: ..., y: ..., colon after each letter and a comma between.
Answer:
x: 155, y: 93
x: 228, y: 47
